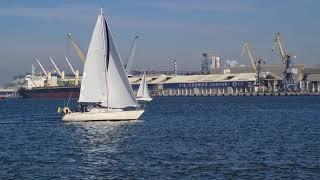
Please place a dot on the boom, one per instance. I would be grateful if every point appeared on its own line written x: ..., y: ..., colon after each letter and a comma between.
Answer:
x: 277, y: 41
x: 44, y: 71
x: 76, y: 47
x: 246, y: 47
x: 56, y: 67
x: 71, y: 67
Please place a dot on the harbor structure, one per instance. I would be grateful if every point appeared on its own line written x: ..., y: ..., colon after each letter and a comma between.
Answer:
x: 222, y: 81
x: 213, y: 79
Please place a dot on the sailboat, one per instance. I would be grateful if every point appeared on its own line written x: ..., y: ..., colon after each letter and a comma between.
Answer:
x: 143, y: 92
x: 105, y: 92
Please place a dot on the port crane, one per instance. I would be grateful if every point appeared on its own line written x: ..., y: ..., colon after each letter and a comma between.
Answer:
x: 288, y: 83
x: 256, y: 64
x: 76, y: 47
x: 246, y: 48
x: 61, y: 74
x: 43, y: 70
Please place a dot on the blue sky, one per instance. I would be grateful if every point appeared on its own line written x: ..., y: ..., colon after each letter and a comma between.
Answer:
x: 180, y: 29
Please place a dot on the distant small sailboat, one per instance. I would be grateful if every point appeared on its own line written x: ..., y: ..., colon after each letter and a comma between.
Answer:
x: 143, y: 91
x: 105, y: 90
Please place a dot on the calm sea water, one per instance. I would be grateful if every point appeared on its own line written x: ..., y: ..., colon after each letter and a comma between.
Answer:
x: 177, y: 137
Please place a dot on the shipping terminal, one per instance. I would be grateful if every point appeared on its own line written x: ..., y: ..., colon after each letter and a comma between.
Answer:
x: 216, y: 78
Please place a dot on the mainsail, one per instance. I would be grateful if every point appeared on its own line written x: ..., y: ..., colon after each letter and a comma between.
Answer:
x: 143, y: 91
x: 104, y: 78
x: 93, y: 87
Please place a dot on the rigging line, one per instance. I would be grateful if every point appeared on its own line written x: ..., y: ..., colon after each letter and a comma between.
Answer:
x: 69, y: 98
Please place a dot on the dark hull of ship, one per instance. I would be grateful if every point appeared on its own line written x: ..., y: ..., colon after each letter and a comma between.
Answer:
x: 55, y: 92
x: 51, y: 92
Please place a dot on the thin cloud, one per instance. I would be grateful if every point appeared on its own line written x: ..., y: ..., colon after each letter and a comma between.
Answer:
x: 84, y: 14
x: 171, y: 25
x: 71, y: 13
x: 198, y: 6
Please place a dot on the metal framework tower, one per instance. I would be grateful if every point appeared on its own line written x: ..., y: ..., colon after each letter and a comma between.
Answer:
x: 288, y: 84
x: 258, y: 68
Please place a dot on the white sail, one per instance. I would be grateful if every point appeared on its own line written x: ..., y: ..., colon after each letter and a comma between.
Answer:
x: 104, y: 79
x: 143, y: 91
x: 119, y: 88
x: 93, y: 85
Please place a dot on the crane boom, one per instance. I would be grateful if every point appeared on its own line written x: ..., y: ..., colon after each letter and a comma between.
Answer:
x: 277, y: 41
x: 56, y: 67
x: 44, y: 71
x: 131, y: 54
x: 71, y: 67
x: 76, y: 47
x: 246, y: 47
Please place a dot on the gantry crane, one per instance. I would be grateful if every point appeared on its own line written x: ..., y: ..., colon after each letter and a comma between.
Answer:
x: 288, y: 83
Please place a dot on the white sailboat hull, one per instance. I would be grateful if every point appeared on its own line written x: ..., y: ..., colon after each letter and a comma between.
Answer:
x: 103, y: 116
x: 142, y: 99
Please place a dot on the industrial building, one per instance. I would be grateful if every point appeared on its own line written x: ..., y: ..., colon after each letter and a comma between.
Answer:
x: 231, y: 81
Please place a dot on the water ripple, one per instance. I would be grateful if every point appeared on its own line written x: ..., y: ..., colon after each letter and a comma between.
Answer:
x: 176, y: 138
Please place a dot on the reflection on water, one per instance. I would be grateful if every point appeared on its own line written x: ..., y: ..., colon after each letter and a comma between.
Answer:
x: 99, y: 145
x: 100, y: 136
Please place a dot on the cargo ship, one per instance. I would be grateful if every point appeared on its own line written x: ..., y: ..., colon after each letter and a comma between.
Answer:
x: 50, y: 86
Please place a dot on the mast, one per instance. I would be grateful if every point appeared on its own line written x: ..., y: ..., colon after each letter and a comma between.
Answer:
x: 105, y: 36
x: 144, y: 83
x: 32, y: 70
